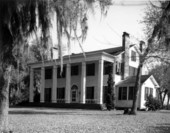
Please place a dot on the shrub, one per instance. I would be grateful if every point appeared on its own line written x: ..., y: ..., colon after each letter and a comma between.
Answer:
x: 152, y: 103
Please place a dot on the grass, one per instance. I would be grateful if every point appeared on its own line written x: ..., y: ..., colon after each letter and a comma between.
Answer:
x: 43, y: 120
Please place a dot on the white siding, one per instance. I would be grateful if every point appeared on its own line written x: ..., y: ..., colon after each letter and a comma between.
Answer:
x: 132, y: 63
x: 147, y: 83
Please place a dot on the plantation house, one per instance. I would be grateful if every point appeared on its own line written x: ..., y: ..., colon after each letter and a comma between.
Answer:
x: 84, y: 80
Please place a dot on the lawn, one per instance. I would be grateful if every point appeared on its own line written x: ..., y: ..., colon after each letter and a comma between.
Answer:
x: 43, y: 120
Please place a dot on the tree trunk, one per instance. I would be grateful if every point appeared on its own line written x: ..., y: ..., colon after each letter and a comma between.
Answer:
x: 168, y: 100
x: 160, y: 98
x: 137, y: 88
x: 5, y: 78
x: 165, y: 93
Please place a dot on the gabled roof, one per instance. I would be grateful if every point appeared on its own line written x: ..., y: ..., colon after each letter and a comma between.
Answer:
x: 132, y: 80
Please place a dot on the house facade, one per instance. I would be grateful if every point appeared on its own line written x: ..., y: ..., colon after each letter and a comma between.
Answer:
x: 84, y: 79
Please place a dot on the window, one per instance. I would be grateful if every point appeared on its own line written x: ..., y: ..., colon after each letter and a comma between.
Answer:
x: 131, y: 93
x: 133, y: 55
x: 118, y: 68
x: 90, y: 69
x: 74, y: 70
x: 48, y: 73
x: 122, y: 93
x: 132, y: 71
x: 151, y: 91
x: 146, y: 92
x: 63, y: 75
x: 60, y: 93
x: 47, y: 94
x: 108, y: 68
x: 90, y: 93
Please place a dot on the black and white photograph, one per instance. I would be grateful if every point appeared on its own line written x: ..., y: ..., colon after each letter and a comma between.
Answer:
x: 84, y: 66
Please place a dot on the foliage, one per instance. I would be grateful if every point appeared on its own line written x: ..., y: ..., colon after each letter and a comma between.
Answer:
x: 152, y: 103
x: 161, y: 73
x: 110, y: 97
x: 19, y: 87
x: 157, y: 45
x: 21, y: 18
x: 151, y: 17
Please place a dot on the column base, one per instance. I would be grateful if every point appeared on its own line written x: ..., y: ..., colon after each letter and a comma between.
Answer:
x: 31, y: 101
x: 67, y: 102
x: 54, y: 101
x: 41, y: 101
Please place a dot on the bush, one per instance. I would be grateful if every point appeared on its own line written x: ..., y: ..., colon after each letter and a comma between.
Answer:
x: 152, y: 103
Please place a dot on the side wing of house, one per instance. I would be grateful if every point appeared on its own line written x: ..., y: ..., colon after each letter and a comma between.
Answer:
x: 148, y: 88
x: 124, y: 95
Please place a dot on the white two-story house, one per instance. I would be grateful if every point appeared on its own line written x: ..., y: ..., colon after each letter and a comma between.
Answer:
x: 84, y: 79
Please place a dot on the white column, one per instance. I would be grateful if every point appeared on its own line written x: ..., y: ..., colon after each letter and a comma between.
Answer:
x: 31, y: 92
x: 68, y: 83
x: 42, y: 84
x: 83, y: 83
x: 100, y: 82
x: 54, y: 88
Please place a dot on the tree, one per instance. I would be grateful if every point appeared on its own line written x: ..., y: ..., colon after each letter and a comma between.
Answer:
x: 19, y: 87
x: 161, y: 73
x: 157, y: 44
x: 110, y: 97
x: 19, y: 20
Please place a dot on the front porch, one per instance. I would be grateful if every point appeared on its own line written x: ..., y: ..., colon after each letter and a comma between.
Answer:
x: 80, y: 83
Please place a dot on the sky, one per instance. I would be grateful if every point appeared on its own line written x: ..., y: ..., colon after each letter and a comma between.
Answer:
x: 106, y: 32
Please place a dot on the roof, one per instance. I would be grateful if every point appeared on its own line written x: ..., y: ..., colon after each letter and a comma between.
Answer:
x: 112, y: 51
x: 132, y: 80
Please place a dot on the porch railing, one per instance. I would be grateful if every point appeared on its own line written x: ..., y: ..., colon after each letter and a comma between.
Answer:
x: 60, y: 100
x: 91, y: 101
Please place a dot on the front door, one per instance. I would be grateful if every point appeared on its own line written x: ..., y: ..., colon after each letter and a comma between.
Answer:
x: 74, y: 94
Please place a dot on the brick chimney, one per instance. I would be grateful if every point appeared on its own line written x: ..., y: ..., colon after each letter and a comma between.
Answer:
x: 125, y: 44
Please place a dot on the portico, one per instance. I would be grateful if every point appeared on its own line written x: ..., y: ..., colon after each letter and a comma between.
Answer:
x: 84, y: 73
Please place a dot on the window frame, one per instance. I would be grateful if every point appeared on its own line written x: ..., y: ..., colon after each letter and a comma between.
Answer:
x: 108, y: 68
x: 75, y: 70
x: 122, y: 91
x: 118, y: 68
x: 62, y: 89
x: 92, y: 94
x: 90, y: 69
x: 131, y: 95
x: 63, y: 75
x: 47, y: 73
x: 146, y: 92
x: 133, y: 55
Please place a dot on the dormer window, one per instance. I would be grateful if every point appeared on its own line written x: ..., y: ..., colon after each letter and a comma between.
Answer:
x: 133, y: 56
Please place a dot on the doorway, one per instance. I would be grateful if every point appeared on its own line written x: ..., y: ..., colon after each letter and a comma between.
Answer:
x: 74, y: 94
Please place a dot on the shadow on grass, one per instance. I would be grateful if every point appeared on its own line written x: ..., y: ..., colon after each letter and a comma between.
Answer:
x: 32, y: 112
x: 162, y: 128
x: 39, y: 113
